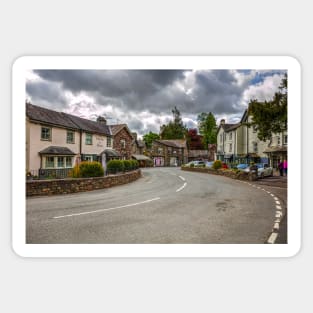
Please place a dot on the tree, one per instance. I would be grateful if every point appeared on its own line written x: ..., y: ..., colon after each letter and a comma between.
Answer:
x: 174, y: 129
x: 194, y: 140
x: 207, y: 128
x: 270, y: 117
x: 149, y: 138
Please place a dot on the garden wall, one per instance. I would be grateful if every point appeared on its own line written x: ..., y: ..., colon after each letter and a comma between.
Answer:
x: 221, y: 172
x: 72, y: 185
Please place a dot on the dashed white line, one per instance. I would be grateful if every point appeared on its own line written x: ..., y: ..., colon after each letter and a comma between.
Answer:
x: 272, y: 238
x: 181, y: 188
x: 109, y: 209
x: 182, y: 178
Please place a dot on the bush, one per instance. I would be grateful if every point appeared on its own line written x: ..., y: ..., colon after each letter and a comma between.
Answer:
x: 134, y: 164
x: 75, y: 172
x: 127, y: 165
x: 90, y: 169
x: 217, y: 164
x: 115, y: 166
x: 192, y: 165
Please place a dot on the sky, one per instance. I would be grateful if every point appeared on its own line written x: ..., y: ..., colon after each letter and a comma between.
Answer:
x: 144, y: 99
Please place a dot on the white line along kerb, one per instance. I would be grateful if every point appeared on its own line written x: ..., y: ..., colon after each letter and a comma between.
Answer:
x: 109, y: 209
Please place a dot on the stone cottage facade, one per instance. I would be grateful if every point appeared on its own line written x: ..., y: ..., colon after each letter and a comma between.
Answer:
x: 169, y: 152
x: 122, y: 140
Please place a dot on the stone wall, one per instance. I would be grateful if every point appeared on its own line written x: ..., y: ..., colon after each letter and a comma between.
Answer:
x: 72, y: 185
x: 221, y: 172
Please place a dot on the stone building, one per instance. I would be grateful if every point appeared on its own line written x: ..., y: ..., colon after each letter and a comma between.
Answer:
x: 169, y: 152
x: 123, y: 140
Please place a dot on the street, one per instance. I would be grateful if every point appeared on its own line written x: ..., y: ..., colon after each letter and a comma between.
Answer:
x: 166, y: 205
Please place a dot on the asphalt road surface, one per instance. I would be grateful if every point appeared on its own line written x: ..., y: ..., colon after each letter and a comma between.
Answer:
x: 166, y: 205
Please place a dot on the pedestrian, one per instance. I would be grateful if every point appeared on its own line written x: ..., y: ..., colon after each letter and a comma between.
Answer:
x: 285, y: 165
x: 281, y: 168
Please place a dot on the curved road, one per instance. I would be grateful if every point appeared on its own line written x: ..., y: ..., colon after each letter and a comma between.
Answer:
x: 166, y: 205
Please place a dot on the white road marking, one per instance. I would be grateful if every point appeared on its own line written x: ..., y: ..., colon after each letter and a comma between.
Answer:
x: 109, y: 209
x: 181, y: 188
x: 278, y: 207
x: 276, y: 226
x: 182, y: 178
x: 272, y: 195
x: 277, y: 202
x: 272, y: 238
x: 278, y: 214
x: 275, y: 198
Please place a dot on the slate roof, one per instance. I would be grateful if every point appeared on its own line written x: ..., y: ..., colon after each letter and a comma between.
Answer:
x: 176, y: 143
x: 43, y: 115
x: 118, y: 127
x: 229, y: 127
x: 57, y: 150
x: 111, y: 153
x: 47, y: 116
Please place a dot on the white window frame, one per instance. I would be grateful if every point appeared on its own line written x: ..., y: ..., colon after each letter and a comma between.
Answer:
x: 285, y: 139
x: 230, y: 135
x: 50, y: 133
x: 46, y: 158
x: 278, y: 140
x: 230, y: 147
x: 88, y: 158
x: 87, y: 137
x: 123, y: 143
x: 67, y: 136
x: 109, y: 142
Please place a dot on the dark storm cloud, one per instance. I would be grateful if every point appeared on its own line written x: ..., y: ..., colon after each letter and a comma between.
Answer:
x: 45, y: 92
x: 154, y: 91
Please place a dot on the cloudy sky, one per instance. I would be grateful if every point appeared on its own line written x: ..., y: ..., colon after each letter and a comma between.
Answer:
x: 144, y: 99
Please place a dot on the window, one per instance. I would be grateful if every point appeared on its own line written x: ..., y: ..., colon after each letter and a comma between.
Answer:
x: 160, y: 150
x: 255, y: 147
x: 109, y: 141
x: 230, y: 147
x: 70, y: 137
x: 46, y: 133
x: 123, y: 143
x: 88, y: 158
x: 88, y: 140
x: 169, y: 150
x: 278, y: 140
x: 285, y: 139
x: 49, y: 161
x: 230, y: 136
x: 69, y: 161
x: 61, y: 161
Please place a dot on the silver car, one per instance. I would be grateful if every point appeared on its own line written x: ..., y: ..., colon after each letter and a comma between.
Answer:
x: 264, y: 170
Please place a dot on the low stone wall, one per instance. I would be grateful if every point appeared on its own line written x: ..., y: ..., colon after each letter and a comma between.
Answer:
x: 72, y: 185
x: 221, y: 172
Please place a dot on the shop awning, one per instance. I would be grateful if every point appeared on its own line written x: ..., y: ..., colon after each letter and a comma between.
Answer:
x: 141, y: 157
x: 111, y: 153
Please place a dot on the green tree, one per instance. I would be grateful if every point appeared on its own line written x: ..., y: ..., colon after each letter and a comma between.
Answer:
x: 207, y: 128
x: 149, y: 138
x: 174, y: 129
x: 270, y: 116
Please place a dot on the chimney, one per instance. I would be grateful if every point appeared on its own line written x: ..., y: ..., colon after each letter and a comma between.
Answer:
x: 134, y: 135
x: 222, y: 122
x: 102, y: 120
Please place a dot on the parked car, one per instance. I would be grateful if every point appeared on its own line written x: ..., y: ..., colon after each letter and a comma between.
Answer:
x: 242, y: 167
x: 264, y: 169
x: 195, y: 163
x: 209, y: 164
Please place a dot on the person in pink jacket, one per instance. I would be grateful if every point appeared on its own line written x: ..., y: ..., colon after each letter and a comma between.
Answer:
x: 285, y: 166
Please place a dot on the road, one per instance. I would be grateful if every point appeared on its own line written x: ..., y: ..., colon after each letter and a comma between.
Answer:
x: 166, y: 205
